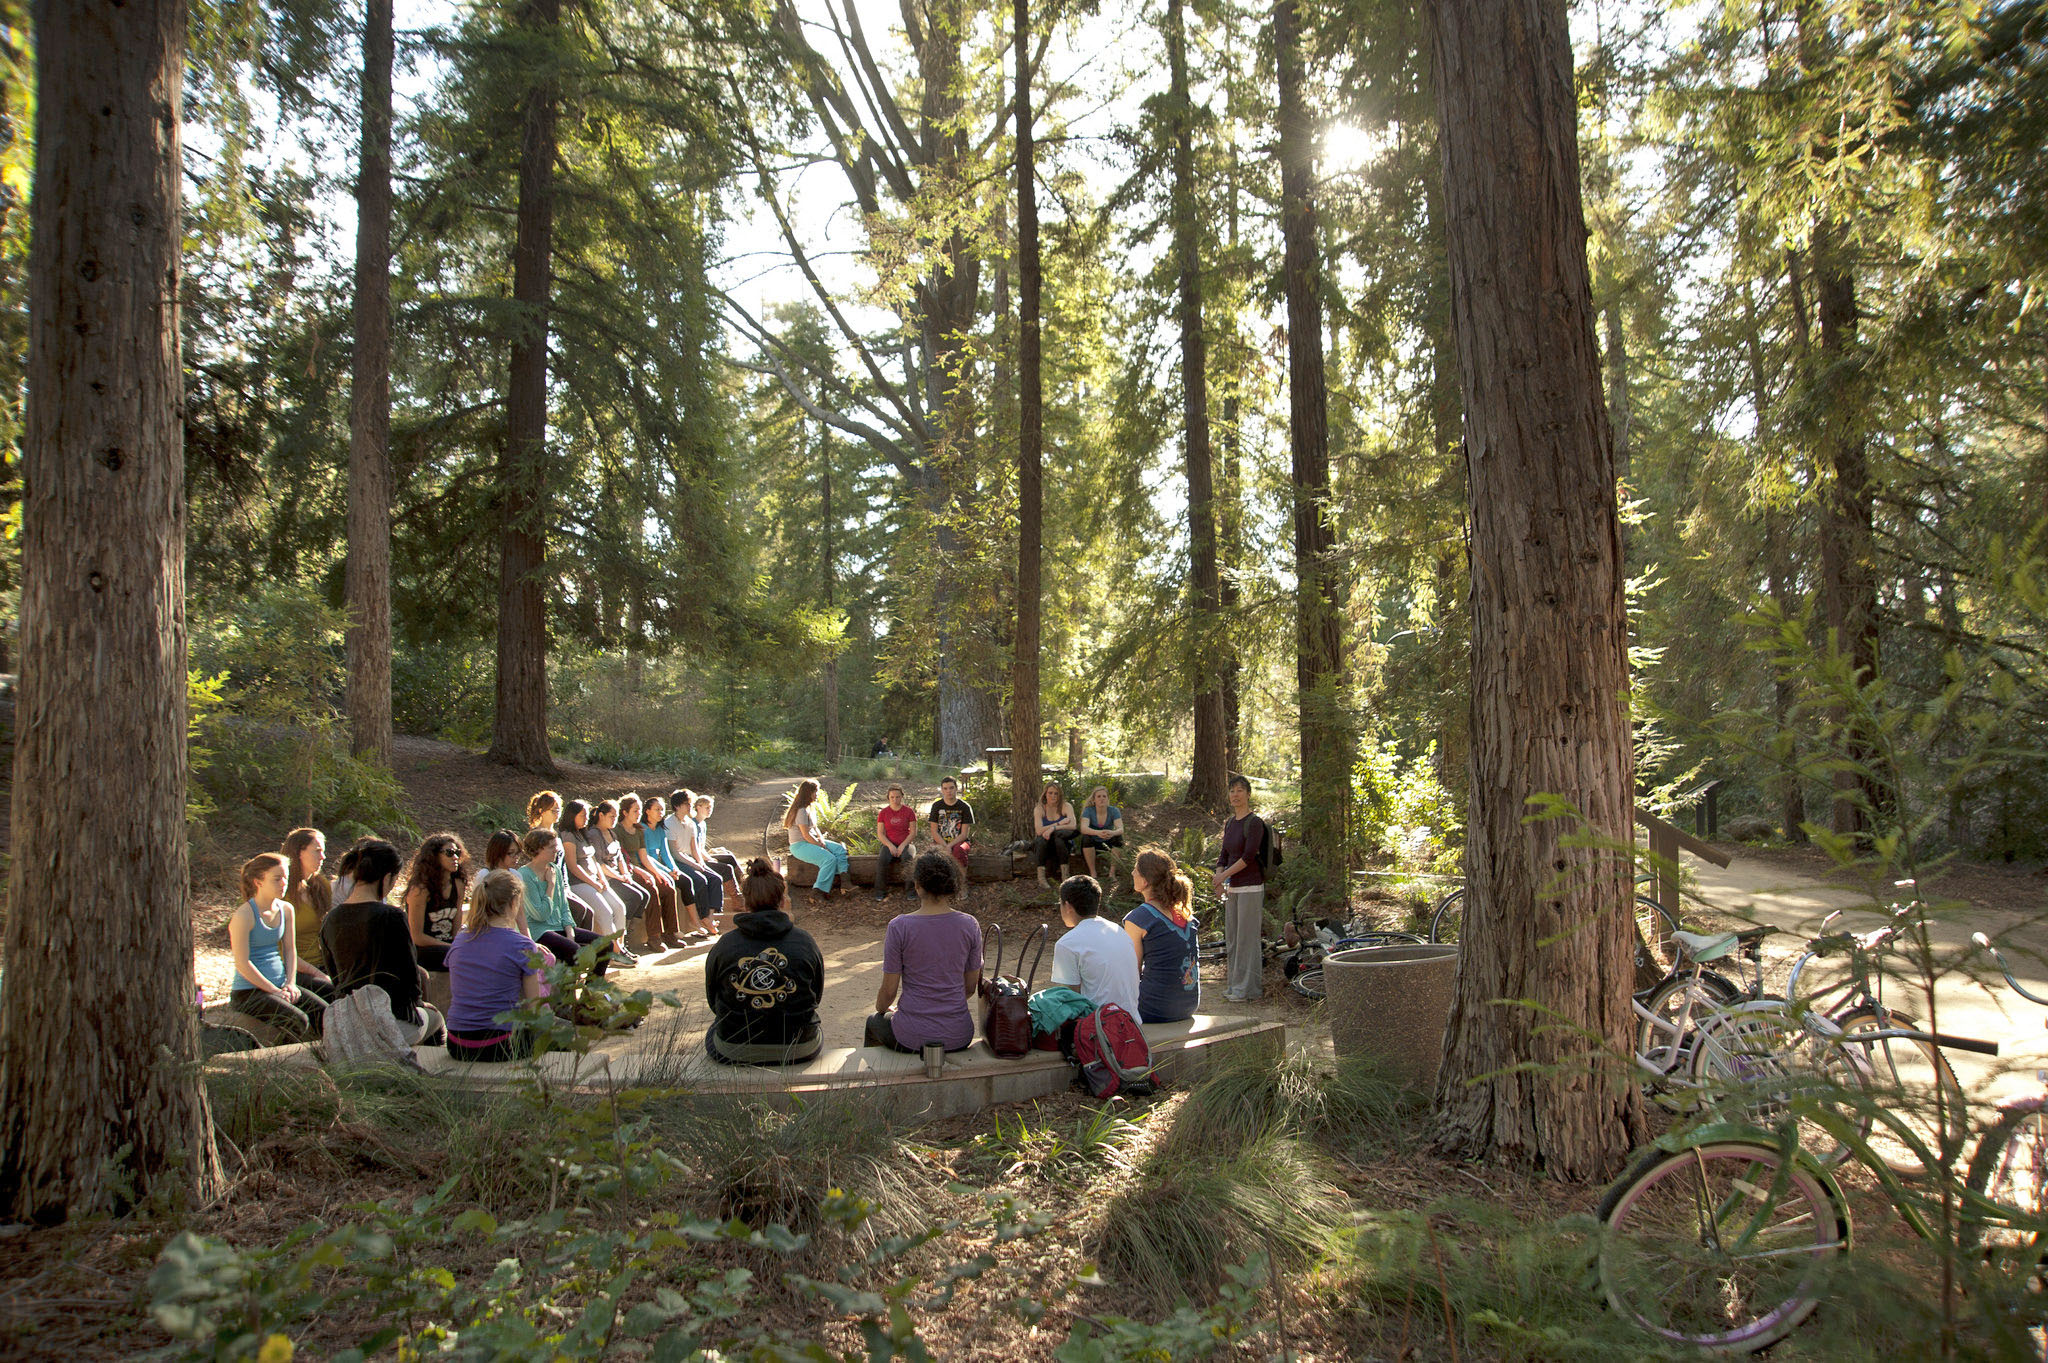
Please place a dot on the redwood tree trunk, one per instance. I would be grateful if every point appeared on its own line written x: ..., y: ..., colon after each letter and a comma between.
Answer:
x: 369, y: 412
x: 520, y: 734
x: 99, y: 1094
x: 1024, y: 719
x: 1547, y: 926
x: 1209, y: 775
x: 1318, y: 602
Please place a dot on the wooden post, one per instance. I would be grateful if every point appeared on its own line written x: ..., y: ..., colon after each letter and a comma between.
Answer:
x: 1074, y: 754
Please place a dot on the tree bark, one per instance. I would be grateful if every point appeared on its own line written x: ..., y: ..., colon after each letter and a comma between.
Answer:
x: 1024, y: 718
x: 369, y: 411
x: 828, y: 575
x: 1546, y: 925
x: 1209, y: 776
x: 520, y: 734
x: 1318, y: 603
x: 100, y: 1102
x: 1782, y: 583
x: 1848, y: 537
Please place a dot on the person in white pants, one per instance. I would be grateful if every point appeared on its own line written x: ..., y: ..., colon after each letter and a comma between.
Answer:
x: 1241, y: 879
x: 587, y: 882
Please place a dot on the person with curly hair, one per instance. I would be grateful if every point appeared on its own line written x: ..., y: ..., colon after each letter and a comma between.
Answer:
x: 435, y: 887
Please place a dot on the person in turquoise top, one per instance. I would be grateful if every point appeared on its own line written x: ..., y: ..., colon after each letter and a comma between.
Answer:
x: 654, y: 831
x: 1102, y: 827
x: 266, y: 958
x: 547, y: 900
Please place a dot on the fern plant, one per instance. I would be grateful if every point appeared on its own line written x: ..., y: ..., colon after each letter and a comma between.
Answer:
x: 839, y: 820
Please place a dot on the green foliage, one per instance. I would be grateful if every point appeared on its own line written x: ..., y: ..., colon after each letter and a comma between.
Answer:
x: 841, y: 819
x: 269, y: 747
x: 1061, y: 1151
x: 1186, y: 1334
x: 1350, y: 1107
x: 1168, y: 1229
x: 1402, y: 813
x: 447, y: 692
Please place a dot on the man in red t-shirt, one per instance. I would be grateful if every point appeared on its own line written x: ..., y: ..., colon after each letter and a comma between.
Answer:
x: 896, y: 829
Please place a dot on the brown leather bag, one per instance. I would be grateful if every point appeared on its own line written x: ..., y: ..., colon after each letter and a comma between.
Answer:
x: 1006, y: 1014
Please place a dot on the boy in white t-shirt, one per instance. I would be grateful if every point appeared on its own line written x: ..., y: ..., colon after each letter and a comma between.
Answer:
x: 1093, y: 957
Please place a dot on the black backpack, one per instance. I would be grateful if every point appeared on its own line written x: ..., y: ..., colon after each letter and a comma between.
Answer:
x: 1269, y: 849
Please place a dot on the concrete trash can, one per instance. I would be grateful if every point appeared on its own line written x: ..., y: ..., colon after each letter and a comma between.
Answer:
x: 1392, y: 1003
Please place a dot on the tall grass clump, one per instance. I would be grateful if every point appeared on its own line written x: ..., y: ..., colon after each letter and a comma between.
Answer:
x: 1350, y: 1107
x: 768, y: 1166
x: 1168, y: 1231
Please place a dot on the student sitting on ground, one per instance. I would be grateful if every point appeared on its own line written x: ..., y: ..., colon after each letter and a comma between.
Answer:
x: 808, y: 843
x: 492, y: 966
x: 896, y: 836
x: 587, y: 884
x: 720, y: 859
x: 931, y: 965
x: 547, y: 903
x: 1163, y: 933
x: 1102, y: 827
x: 1055, y: 824
x: 764, y: 980
x: 950, y: 820
x: 686, y: 849
x: 310, y: 894
x: 435, y: 887
x: 368, y: 943
x: 266, y: 956
x: 1092, y: 957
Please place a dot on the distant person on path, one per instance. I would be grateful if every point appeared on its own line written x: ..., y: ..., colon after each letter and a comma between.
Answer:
x: 665, y: 920
x: 1055, y: 825
x: 807, y: 843
x: 311, y: 895
x: 547, y: 903
x: 1102, y: 827
x: 587, y: 884
x: 609, y: 854
x: 764, y: 980
x: 689, y: 892
x: 368, y: 943
x: 1163, y: 933
x: 1092, y: 957
x: 1241, y: 879
x: 492, y: 966
x: 436, y: 885
x: 685, y: 847
x: 720, y: 859
x: 266, y: 955
x: 896, y: 836
x: 950, y: 820
x: 931, y: 965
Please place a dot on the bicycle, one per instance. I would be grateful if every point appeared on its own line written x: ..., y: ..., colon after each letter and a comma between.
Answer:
x: 1305, y: 969
x: 1653, y: 922
x: 1722, y: 1240
x: 2010, y: 1166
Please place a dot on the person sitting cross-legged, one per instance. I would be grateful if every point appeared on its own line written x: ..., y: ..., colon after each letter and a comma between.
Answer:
x: 492, y: 967
x: 1102, y: 828
x: 266, y: 985
x: 368, y: 942
x: 764, y: 980
x: 931, y: 965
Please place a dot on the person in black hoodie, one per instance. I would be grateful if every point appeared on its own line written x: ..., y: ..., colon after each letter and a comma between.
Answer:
x: 764, y: 979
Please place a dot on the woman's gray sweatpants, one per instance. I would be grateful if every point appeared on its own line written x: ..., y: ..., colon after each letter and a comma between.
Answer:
x: 1244, y: 918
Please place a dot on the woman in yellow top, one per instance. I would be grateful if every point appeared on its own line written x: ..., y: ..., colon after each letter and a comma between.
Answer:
x: 311, y: 895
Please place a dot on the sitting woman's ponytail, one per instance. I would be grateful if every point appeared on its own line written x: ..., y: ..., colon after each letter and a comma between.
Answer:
x: 1168, y: 885
x: 764, y: 888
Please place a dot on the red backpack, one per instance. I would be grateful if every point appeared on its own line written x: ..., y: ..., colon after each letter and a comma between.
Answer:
x: 1110, y: 1048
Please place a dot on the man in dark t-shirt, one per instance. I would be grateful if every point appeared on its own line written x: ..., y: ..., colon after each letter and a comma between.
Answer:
x: 950, y: 819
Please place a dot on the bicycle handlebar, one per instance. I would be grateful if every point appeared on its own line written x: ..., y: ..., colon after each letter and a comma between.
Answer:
x: 2005, y: 969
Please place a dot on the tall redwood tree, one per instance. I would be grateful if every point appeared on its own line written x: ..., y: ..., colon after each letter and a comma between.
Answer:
x: 369, y: 409
x: 99, y: 1094
x: 1024, y: 719
x: 1547, y: 946
x: 519, y: 736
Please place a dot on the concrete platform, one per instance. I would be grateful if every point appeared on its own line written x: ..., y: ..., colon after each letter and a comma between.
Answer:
x: 889, y: 1082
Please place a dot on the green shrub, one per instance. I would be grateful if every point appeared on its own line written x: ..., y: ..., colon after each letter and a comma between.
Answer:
x: 710, y: 773
x: 445, y: 692
x: 1237, y: 1104
x: 1168, y: 1231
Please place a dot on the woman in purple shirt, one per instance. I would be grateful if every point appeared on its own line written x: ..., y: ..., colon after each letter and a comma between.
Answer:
x: 492, y: 966
x: 931, y: 965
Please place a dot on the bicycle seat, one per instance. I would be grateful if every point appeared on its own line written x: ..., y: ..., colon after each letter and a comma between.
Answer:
x: 1702, y: 946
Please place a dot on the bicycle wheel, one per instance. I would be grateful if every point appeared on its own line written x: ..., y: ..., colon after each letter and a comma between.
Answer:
x: 1308, y: 982
x: 1448, y: 918
x: 1656, y: 927
x: 1378, y: 939
x: 1661, y: 1042
x: 2010, y: 1168
x: 1915, y: 1083
x: 1721, y: 1246
x: 1754, y: 1062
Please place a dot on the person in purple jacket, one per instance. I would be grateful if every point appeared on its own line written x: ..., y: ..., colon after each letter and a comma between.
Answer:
x: 492, y: 966
x: 1241, y: 879
x: 931, y: 964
